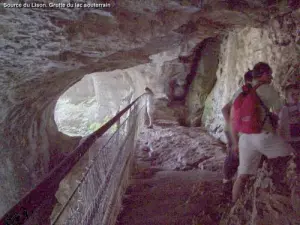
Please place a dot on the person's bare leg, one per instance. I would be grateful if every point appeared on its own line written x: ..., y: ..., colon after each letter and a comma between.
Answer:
x: 150, y: 120
x: 238, y: 186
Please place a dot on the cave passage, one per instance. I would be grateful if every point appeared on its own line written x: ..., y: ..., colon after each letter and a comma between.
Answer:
x: 67, y: 72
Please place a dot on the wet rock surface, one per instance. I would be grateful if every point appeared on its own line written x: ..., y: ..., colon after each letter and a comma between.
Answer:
x: 174, y: 147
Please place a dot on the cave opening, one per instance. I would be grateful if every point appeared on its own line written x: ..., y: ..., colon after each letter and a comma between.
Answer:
x: 91, y: 102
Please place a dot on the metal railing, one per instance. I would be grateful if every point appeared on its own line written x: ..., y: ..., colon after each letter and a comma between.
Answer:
x: 93, y: 199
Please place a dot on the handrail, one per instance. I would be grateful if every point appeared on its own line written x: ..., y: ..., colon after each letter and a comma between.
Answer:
x: 93, y: 161
x: 19, y: 213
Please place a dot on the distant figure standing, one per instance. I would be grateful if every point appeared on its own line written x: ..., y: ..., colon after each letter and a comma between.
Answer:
x: 149, y: 105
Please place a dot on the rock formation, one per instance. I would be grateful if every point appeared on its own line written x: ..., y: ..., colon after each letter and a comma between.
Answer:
x: 240, y: 50
x: 181, y: 148
x: 272, y: 197
x: 44, y: 51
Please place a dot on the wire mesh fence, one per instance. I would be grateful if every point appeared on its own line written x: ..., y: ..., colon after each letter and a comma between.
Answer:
x: 93, y: 201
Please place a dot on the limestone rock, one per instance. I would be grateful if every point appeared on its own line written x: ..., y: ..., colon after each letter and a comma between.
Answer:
x: 44, y: 51
x: 204, y: 80
x: 181, y: 148
x: 268, y: 200
x: 240, y: 50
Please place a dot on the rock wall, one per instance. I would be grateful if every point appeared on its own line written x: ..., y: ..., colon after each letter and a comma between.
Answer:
x: 45, y: 51
x: 23, y: 158
x: 204, y: 81
x: 271, y: 197
x: 277, y: 44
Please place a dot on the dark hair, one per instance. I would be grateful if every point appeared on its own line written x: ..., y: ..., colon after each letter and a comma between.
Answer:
x: 260, y: 68
x: 248, y: 76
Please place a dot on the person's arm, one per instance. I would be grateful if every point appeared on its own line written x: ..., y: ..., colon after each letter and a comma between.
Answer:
x: 280, y: 124
x: 234, y: 135
x: 235, y: 141
x: 226, y: 109
x: 226, y: 112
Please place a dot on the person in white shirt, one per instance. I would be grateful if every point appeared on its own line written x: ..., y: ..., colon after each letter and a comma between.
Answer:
x: 149, y: 105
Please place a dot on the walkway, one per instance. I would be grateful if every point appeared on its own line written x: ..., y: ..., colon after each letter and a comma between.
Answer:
x: 160, y: 196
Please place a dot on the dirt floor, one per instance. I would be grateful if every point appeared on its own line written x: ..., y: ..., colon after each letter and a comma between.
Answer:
x: 162, y: 193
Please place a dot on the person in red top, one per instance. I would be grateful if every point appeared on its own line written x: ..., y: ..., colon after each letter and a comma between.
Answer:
x: 231, y: 162
x: 252, y: 145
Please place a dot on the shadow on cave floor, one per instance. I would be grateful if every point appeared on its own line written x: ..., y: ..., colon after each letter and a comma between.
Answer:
x: 177, y: 178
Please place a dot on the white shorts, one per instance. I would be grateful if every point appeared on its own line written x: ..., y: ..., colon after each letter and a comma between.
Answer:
x: 253, y: 146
